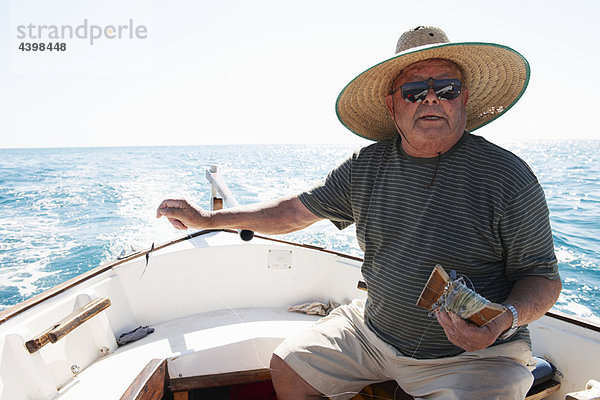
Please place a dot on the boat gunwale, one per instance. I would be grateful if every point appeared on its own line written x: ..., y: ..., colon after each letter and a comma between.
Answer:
x: 60, y: 288
x: 17, y: 309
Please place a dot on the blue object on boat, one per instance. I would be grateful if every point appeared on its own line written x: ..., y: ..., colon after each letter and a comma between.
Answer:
x: 543, y: 371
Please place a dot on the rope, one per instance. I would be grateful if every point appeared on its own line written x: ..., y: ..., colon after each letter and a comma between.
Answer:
x: 460, y: 300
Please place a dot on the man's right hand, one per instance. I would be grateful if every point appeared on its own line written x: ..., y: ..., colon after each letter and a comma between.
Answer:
x: 182, y: 215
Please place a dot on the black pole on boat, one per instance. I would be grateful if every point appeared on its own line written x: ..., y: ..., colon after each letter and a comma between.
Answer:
x: 219, y: 186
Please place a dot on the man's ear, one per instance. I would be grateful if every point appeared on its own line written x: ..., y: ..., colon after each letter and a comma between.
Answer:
x: 466, y: 92
x: 389, y: 103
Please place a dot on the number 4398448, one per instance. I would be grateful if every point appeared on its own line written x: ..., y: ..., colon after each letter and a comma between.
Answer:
x: 43, y: 46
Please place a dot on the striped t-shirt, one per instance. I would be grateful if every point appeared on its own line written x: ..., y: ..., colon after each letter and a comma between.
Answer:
x: 477, y: 209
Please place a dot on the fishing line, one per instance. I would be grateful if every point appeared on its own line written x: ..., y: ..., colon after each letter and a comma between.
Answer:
x: 219, y: 299
x: 459, y: 299
x: 439, y: 153
x: 262, y: 364
x: 239, y: 317
x: 398, y: 128
x: 258, y: 358
x: 421, y: 340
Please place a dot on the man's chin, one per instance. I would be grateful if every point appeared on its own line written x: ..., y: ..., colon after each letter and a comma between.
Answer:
x: 432, y: 132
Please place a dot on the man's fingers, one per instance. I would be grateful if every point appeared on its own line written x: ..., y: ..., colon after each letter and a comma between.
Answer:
x: 181, y: 214
x: 464, y: 334
x: 177, y: 223
x: 457, y: 321
x: 443, y: 319
x: 166, y: 207
x: 170, y: 212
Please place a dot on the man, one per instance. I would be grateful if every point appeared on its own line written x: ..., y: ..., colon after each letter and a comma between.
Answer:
x: 428, y: 192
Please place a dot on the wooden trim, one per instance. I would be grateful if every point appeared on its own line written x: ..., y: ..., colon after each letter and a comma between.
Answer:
x: 151, y: 382
x: 77, y: 318
x: 307, y: 246
x: 68, y: 324
x: 217, y: 203
x: 571, y: 319
x: 37, y: 343
x: 218, y: 380
x: 37, y: 299
x: 543, y: 390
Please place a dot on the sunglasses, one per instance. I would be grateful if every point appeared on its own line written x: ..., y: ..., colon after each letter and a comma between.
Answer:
x: 444, y: 89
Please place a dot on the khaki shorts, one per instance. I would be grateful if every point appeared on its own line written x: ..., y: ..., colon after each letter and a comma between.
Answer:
x: 340, y: 355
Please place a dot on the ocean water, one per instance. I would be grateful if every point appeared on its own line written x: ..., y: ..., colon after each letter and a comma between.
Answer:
x: 65, y: 211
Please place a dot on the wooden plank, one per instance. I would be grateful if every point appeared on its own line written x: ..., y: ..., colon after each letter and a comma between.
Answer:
x: 181, y: 396
x: 217, y: 203
x: 77, y: 318
x: 218, y: 380
x: 572, y: 319
x: 489, y: 313
x: 434, y: 289
x: 67, y: 324
x: 538, y: 392
x: 37, y: 343
x: 151, y: 382
x: 543, y: 390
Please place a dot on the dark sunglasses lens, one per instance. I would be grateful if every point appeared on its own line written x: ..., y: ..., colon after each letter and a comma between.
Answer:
x: 448, y: 89
x: 415, y: 91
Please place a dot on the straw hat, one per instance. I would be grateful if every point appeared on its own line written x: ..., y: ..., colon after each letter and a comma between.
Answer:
x: 496, y: 77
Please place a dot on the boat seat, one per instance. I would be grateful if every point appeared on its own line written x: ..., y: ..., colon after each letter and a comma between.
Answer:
x: 199, y: 345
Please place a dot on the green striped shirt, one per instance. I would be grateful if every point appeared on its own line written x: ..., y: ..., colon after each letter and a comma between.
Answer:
x: 477, y: 209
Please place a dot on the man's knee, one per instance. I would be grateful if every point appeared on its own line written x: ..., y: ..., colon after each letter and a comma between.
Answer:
x: 277, y: 364
x: 281, y: 372
x: 287, y: 383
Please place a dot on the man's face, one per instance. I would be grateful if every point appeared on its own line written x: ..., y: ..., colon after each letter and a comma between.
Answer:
x: 432, y: 125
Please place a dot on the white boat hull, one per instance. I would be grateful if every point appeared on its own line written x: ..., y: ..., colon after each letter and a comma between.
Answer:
x: 218, y: 305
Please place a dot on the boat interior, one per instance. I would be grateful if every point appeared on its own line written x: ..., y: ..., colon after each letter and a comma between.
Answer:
x: 218, y: 307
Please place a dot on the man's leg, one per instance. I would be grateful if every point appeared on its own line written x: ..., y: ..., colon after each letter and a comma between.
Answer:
x: 333, y: 358
x: 288, y: 384
x: 496, y: 373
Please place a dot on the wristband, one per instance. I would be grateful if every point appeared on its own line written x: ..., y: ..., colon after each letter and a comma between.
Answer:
x: 515, y: 322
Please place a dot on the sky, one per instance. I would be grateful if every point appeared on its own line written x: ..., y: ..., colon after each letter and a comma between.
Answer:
x: 234, y: 72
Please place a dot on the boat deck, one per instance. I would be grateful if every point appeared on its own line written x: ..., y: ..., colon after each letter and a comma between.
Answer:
x: 208, y: 343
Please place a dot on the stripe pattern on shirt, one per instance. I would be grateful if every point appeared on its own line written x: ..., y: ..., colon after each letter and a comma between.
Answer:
x: 484, y: 215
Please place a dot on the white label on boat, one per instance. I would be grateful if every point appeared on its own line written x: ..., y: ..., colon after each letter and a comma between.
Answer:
x: 280, y: 259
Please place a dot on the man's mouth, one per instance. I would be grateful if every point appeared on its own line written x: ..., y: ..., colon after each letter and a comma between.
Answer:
x: 431, y: 118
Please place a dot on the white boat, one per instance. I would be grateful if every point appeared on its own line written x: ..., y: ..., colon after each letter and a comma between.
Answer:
x: 219, y: 307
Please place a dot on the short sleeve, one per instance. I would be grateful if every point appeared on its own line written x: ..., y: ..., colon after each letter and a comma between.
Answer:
x: 331, y: 199
x: 527, y: 236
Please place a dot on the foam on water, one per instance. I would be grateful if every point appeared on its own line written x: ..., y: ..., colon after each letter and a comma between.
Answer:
x: 65, y: 211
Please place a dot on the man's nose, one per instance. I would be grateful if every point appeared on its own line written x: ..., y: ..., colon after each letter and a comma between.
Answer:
x: 431, y: 96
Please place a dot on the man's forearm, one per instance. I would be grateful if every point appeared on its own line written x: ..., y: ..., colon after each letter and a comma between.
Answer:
x: 532, y: 297
x: 276, y: 217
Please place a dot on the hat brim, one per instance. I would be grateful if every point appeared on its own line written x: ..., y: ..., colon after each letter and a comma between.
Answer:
x: 496, y: 77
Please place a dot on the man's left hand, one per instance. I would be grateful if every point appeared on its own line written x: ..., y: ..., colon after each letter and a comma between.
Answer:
x: 467, y: 335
